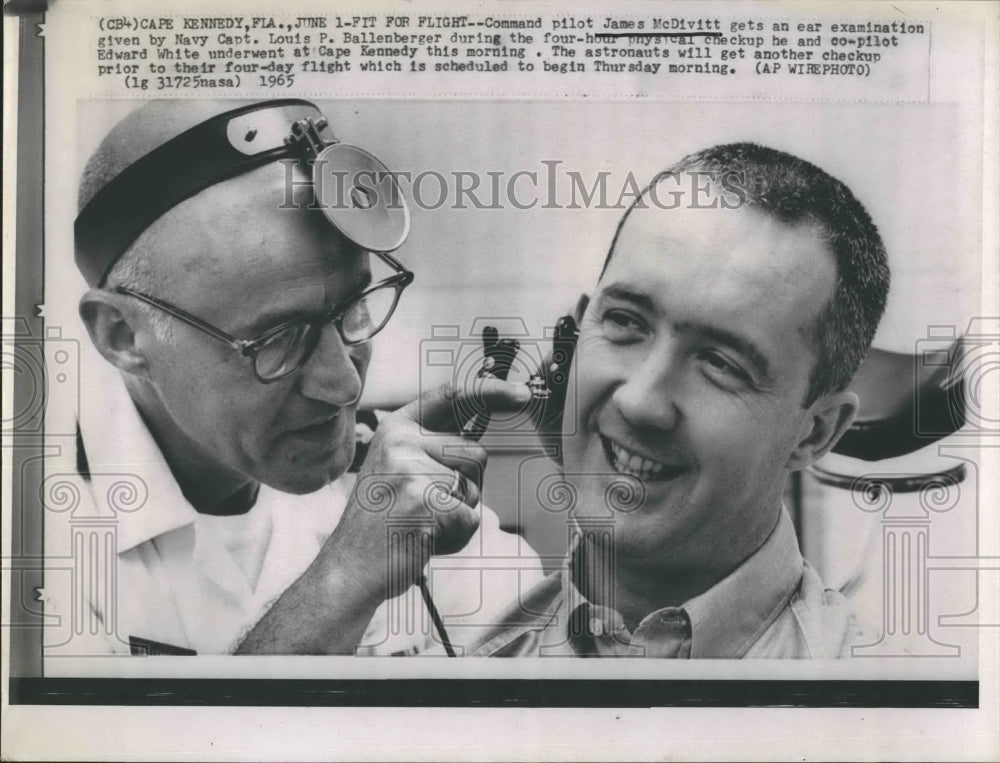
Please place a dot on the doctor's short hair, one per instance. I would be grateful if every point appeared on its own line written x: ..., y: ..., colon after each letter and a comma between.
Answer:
x: 141, y: 266
x: 795, y: 191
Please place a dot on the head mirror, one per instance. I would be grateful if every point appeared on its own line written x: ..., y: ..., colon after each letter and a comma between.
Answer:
x: 354, y: 190
x: 360, y: 197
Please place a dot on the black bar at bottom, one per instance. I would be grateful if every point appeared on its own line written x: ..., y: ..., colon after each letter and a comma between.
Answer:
x: 491, y: 693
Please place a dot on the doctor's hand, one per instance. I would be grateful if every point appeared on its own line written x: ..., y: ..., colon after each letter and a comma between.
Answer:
x: 414, y: 497
x: 417, y: 491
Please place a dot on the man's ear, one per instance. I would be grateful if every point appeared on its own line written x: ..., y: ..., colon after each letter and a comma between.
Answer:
x: 829, y: 417
x: 112, y: 331
x: 581, y: 308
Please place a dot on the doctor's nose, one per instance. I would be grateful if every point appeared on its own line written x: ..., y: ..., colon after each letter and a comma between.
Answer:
x: 334, y: 373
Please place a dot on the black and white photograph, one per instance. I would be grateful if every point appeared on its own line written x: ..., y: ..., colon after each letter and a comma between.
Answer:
x: 346, y: 351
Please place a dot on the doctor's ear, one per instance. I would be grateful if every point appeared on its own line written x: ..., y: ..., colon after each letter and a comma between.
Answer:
x: 113, y: 330
x: 829, y: 417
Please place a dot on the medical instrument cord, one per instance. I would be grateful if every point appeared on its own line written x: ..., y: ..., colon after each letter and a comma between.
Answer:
x: 498, y: 356
x: 435, y: 615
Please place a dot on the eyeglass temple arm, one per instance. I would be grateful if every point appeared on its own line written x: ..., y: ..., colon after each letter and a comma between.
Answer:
x: 186, y: 317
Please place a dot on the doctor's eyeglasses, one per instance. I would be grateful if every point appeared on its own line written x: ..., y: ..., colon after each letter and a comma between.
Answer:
x: 284, y: 349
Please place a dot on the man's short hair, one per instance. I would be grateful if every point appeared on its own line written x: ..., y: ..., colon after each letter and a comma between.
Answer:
x: 136, y: 268
x: 140, y: 267
x: 794, y: 191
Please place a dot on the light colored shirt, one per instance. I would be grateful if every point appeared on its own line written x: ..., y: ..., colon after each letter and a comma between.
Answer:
x: 129, y: 558
x: 773, y: 605
x: 245, y: 536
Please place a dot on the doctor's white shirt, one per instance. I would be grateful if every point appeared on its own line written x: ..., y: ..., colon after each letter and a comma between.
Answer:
x: 132, y: 567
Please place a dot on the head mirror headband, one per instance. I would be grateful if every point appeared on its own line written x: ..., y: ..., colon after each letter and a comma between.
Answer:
x: 355, y: 191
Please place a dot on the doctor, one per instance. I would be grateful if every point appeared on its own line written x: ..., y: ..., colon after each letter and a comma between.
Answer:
x: 233, y: 299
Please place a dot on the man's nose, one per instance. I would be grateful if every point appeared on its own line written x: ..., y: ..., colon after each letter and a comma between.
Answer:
x: 333, y: 373
x: 649, y: 393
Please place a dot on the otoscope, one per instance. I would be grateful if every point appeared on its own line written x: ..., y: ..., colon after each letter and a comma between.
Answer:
x: 548, y: 386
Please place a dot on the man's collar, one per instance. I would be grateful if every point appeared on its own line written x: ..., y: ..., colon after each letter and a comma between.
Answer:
x: 727, y: 619
x: 732, y: 615
x: 130, y: 479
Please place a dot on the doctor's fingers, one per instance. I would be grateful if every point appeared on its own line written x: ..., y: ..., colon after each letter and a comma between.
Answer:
x: 447, y: 408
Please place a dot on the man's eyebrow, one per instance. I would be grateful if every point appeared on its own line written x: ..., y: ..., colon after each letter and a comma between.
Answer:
x: 363, y: 283
x: 620, y: 291
x: 273, y: 317
x: 739, y: 343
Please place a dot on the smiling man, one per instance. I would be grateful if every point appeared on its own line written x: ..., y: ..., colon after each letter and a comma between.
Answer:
x: 713, y: 359
x: 232, y: 301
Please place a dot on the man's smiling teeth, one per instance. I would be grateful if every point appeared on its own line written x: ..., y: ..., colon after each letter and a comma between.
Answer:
x: 634, y: 465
